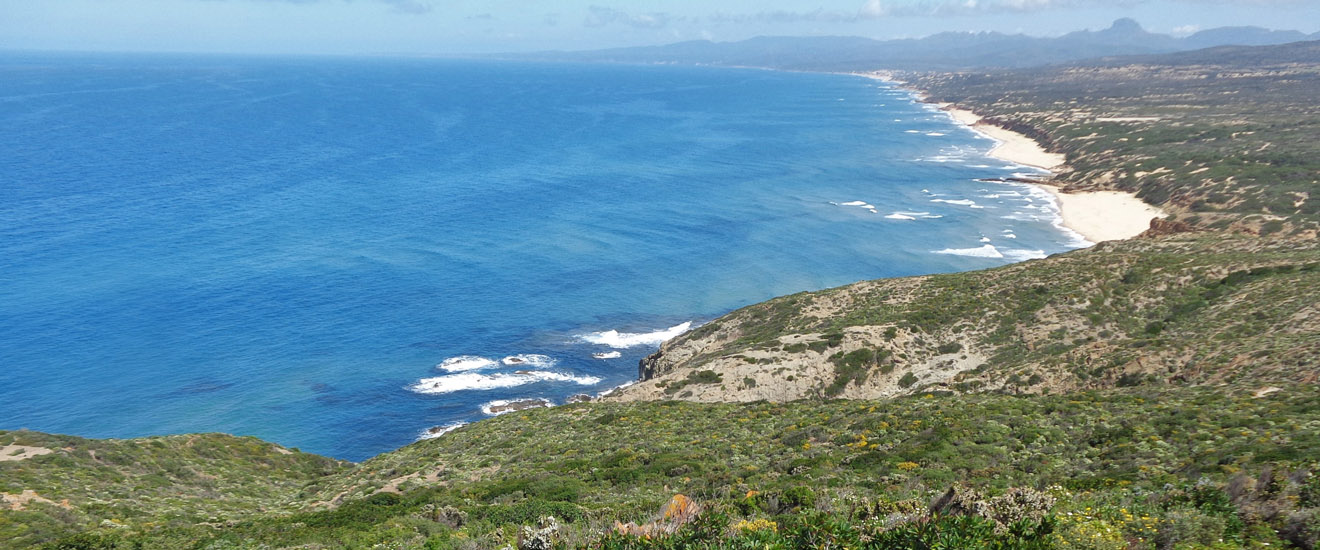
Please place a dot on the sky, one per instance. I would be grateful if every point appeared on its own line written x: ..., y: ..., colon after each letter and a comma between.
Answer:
x: 457, y: 27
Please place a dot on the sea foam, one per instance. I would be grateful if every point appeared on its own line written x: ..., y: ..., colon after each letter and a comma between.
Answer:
x: 624, y: 340
x: 987, y: 251
x: 529, y: 360
x: 490, y: 408
x: 466, y: 363
x: 860, y: 204
x: 1019, y: 255
x: 438, y: 431
x: 913, y: 215
x: 479, y: 381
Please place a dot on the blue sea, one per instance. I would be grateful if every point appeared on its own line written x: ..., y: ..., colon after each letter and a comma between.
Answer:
x: 340, y: 254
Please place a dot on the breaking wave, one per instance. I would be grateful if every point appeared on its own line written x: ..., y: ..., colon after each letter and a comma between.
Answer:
x: 987, y: 251
x: 860, y: 204
x: 466, y: 363
x: 479, y: 381
x: 502, y: 406
x: 529, y: 360
x: 624, y: 340
x: 1024, y: 255
x: 913, y: 216
x: 438, y: 431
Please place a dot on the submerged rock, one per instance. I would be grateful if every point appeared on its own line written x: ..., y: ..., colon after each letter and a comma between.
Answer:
x: 518, y: 405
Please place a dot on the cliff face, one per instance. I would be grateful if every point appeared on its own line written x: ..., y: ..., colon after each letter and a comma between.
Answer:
x: 1186, y: 308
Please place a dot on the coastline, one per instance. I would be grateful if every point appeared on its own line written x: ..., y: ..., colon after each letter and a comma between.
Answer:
x: 1097, y: 216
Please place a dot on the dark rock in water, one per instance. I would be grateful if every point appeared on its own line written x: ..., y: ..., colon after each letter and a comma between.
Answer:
x: 437, y: 431
x: 514, y: 361
x: 580, y: 398
x: 519, y: 405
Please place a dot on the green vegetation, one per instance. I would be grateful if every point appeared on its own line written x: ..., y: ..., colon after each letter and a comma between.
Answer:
x: 854, y: 366
x: 696, y: 377
x: 172, y: 480
x: 1190, y: 308
x: 1142, y: 465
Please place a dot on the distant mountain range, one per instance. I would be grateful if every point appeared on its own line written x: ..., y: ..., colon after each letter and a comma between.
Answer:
x: 944, y: 51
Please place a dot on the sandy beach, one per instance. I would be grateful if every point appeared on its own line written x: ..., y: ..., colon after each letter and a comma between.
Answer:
x: 1012, y: 147
x: 1104, y: 215
x: 1096, y: 215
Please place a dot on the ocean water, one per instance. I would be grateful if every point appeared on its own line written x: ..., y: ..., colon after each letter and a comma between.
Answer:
x: 338, y: 254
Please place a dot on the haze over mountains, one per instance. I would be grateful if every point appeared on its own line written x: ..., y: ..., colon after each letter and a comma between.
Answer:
x: 944, y: 51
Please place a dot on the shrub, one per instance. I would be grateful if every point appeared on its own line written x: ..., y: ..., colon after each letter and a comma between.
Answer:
x: 951, y: 347
x: 1309, y: 494
x: 1089, y: 534
x: 799, y: 497
x: 698, y: 377
x: 1190, y: 526
x: 1302, y: 529
x: 705, y: 377
x: 907, y: 380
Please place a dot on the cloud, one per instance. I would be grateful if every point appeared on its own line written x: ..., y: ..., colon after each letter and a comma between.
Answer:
x: 600, y: 16
x: 897, y: 8
x: 1186, y: 30
x: 817, y: 16
x: 409, y: 6
x: 415, y: 7
x: 874, y: 9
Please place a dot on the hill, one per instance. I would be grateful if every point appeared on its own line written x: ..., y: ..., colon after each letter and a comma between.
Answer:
x: 942, y: 52
x: 1228, y: 311
x: 54, y: 484
x: 1139, y: 467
